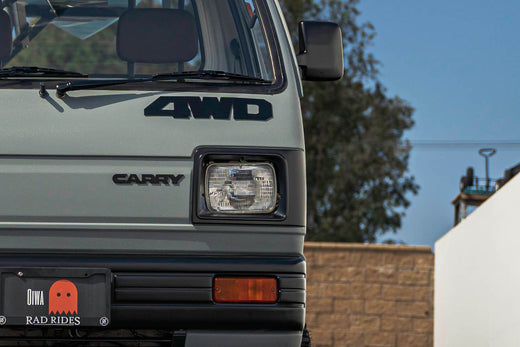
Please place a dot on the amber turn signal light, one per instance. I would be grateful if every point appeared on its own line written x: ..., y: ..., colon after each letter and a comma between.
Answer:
x: 245, y: 290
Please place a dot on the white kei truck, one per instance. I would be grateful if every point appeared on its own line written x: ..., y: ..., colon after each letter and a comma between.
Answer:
x: 152, y: 171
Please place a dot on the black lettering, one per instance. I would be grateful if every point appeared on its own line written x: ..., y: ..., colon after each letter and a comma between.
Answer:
x: 180, y: 107
x: 119, y: 179
x: 164, y: 179
x: 176, y: 179
x: 241, y: 109
x: 145, y: 179
x: 156, y: 108
x: 133, y: 179
x: 210, y: 107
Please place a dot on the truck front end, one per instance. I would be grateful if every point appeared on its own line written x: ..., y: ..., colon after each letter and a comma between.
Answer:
x: 153, y: 173
x: 152, y: 161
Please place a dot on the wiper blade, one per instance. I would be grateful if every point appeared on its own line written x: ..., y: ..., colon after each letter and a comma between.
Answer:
x: 211, y: 74
x: 35, y: 71
x: 63, y: 88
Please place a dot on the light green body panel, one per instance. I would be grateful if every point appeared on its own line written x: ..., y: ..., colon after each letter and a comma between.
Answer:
x: 112, y: 123
x: 58, y: 156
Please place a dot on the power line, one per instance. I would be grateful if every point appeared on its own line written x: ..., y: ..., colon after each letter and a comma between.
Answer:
x: 464, y: 144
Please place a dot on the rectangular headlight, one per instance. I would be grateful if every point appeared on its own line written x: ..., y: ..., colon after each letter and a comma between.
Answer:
x: 241, y: 188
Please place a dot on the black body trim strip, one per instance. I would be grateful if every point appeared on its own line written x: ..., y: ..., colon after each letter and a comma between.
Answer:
x: 147, y: 263
x: 181, y: 288
x: 292, y: 282
x: 193, y: 316
x: 175, y: 292
x: 292, y: 295
x: 163, y: 280
x: 171, y: 295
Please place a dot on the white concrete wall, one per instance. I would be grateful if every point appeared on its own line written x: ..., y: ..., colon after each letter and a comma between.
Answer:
x: 477, y: 276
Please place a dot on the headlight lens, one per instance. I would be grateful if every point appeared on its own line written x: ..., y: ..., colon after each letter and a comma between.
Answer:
x: 237, y: 188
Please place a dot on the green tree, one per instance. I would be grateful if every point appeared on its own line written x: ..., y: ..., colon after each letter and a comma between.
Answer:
x: 357, y: 159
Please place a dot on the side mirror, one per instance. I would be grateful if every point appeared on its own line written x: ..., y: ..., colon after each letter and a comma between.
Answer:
x: 321, y: 51
x: 6, y: 35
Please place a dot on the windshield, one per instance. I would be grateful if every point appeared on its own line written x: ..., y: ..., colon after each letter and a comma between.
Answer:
x: 140, y: 38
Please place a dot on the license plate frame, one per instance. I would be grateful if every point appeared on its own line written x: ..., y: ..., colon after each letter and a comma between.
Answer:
x: 55, y: 297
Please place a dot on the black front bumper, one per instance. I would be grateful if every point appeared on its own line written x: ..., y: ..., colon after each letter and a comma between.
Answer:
x: 175, y: 292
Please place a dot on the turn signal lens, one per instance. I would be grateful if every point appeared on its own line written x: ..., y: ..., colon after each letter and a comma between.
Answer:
x: 245, y: 290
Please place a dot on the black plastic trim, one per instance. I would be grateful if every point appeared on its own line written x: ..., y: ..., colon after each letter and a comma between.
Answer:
x: 149, y: 263
x: 175, y: 292
x: 58, y: 336
x: 162, y: 280
x: 183, y: 295
x: 289, y: 165
x: 202, y: 316
x: 292, y: 295
x: 189, y: 287
x: 292, y: 282
x: 75, y: 341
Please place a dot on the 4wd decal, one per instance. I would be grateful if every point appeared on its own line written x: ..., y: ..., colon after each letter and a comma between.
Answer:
x: 184, y: 107
x: 144, y: 179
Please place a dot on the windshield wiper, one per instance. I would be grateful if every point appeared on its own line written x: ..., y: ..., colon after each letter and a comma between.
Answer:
x: 35, y: 71
x: 63, y: 88
x: 211, y: 74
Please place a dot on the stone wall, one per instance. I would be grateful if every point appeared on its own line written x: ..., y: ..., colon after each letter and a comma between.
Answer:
x: 369, y: 295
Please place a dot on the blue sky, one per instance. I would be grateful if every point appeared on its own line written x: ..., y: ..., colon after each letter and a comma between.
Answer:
x: 458, y: 64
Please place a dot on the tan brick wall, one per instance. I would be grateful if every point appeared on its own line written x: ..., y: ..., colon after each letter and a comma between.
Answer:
x: 369, y: 295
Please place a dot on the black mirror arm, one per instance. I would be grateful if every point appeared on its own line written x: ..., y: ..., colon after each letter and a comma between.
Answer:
x: 301, y: 57
x: 302, y: 63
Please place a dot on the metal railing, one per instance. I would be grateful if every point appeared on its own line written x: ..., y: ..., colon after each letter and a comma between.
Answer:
x: 481, y: 186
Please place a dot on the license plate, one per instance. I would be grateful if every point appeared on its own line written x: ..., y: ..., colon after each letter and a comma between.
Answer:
x: 54, y: 297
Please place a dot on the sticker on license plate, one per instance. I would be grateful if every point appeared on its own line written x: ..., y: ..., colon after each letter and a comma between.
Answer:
x: 54, y: 297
